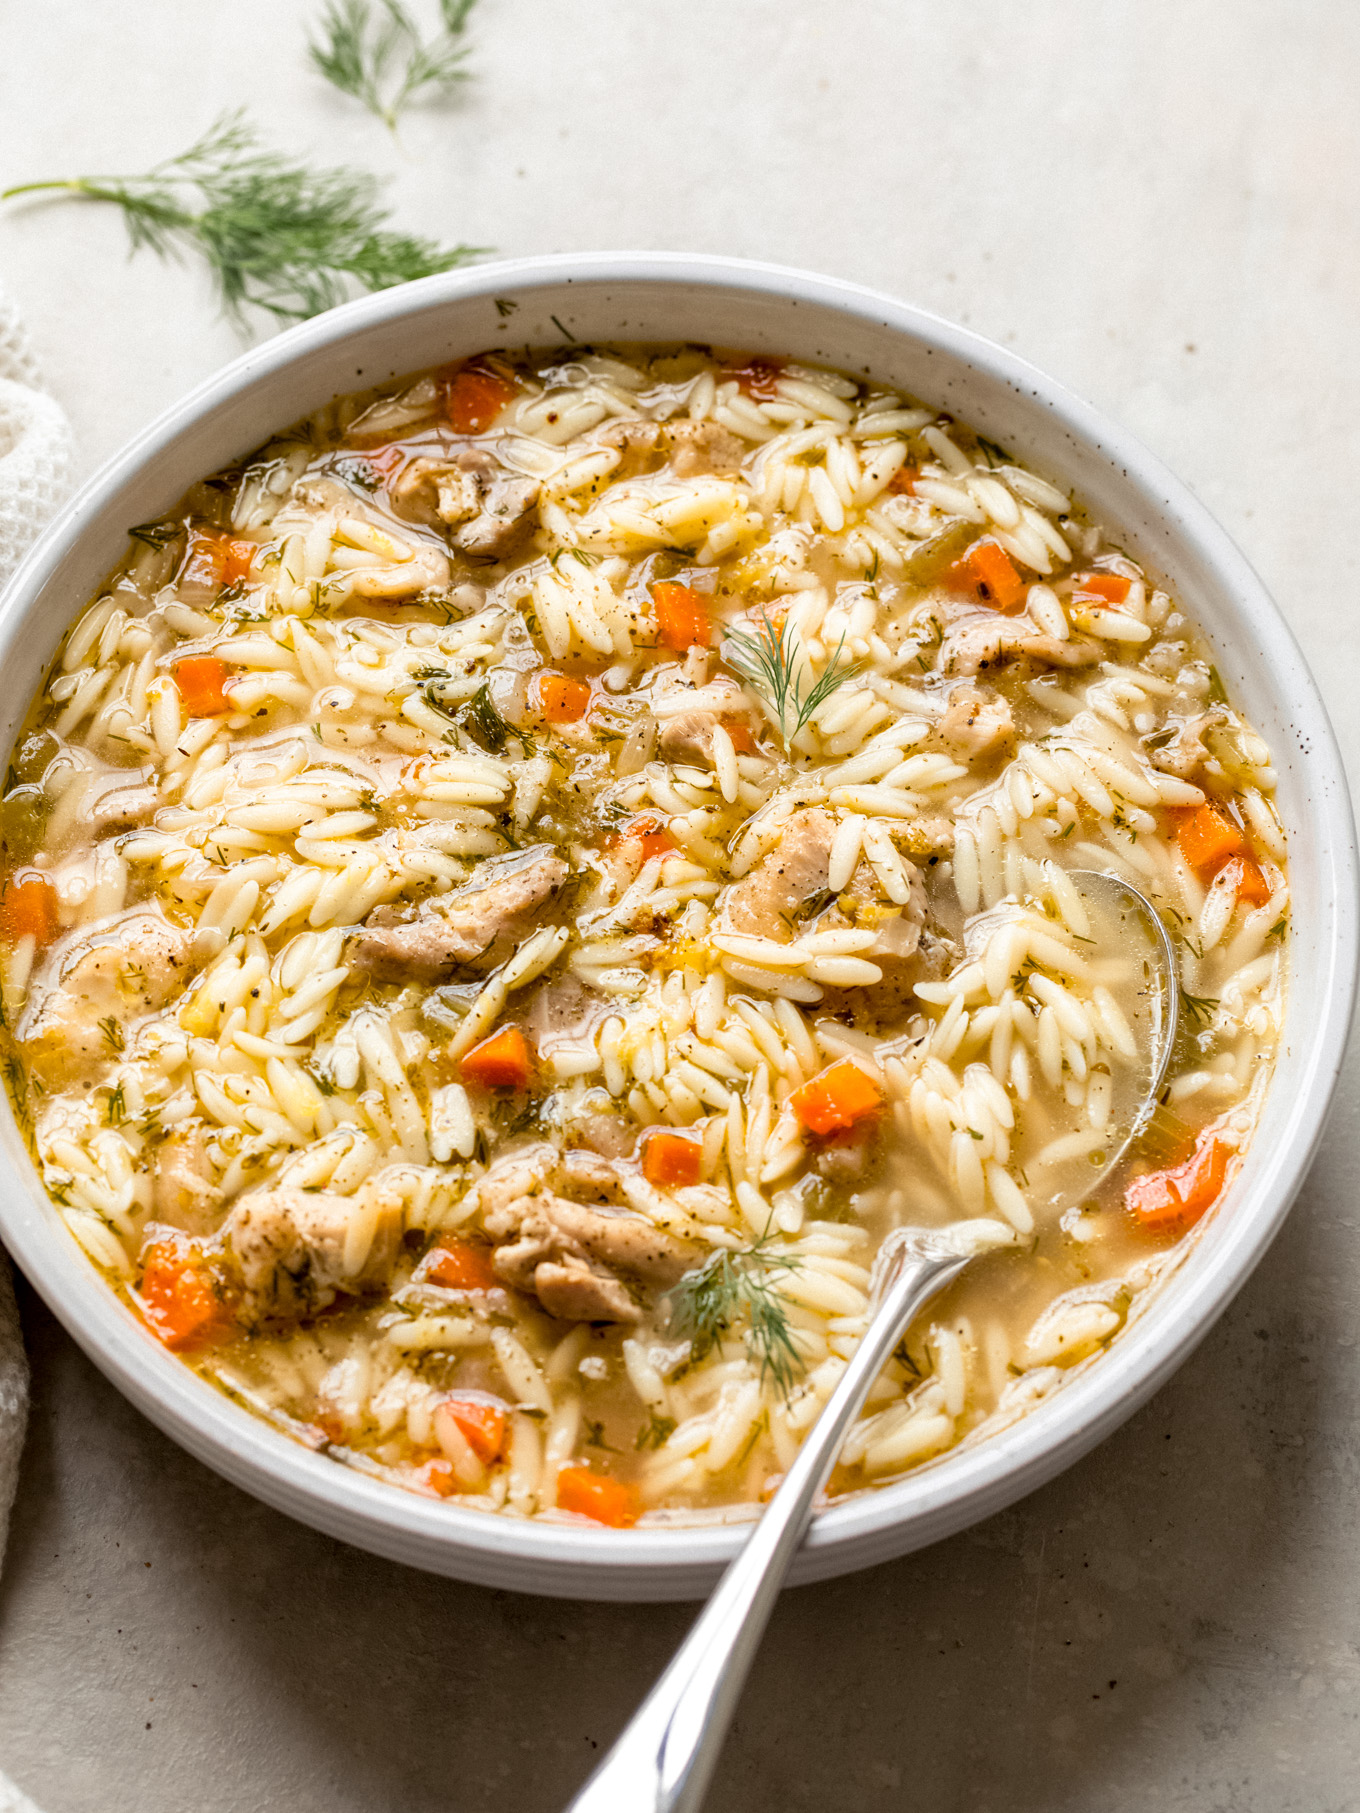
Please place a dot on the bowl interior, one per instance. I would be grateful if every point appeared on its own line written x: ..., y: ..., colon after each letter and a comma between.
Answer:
x: 544, y: 303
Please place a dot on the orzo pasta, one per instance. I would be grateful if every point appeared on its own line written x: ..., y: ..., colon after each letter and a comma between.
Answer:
x: 514, y: 889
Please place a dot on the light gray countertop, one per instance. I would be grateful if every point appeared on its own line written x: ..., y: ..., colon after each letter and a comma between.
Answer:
x: 1158, y: 201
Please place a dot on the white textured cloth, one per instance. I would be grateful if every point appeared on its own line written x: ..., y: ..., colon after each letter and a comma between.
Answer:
x: 35, y: 445
x: 35, y: 469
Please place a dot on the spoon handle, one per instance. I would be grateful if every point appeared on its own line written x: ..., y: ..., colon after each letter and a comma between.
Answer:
x: 664, y: 1758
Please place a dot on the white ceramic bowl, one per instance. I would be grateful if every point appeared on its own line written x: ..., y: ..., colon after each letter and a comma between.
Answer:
x: 764, y: 309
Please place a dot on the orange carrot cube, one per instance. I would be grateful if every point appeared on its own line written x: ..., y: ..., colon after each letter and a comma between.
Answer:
x: 681, y: 616
x: 836, y: 1098
x: 1207, y: 838
x: 458, y: 1265
x: 178, y: 1300
x: 475, y: 397
x: 1179, y: 1195
x: 597, y: 1496
x: 670, y: 1158
x: 562, y: 700
x: 500, y: 1062
x: 28, y: 908
x: 202, y: 680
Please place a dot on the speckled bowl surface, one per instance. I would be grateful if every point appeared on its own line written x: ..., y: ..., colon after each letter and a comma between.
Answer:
x: 654, y: 296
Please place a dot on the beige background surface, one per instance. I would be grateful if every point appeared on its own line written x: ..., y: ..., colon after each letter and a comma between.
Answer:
x: 1157, y: 200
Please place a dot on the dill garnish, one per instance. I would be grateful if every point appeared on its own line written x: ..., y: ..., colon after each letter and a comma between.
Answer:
x: 156, y: 535
x: 113, y: 1033
x: 376, y: 54
x: 706, y: 1303
x: 1201, y: 1008
x: 655, y: 1433
x: 770, y: 663
x: 276, y: 235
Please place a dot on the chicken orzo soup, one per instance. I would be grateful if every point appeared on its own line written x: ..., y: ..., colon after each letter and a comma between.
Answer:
x: 513, y: 890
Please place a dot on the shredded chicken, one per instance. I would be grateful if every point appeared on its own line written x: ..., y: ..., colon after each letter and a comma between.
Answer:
x: 982, y: 641
x: 105, y: 982
x: 690, y: 732
x: 563, y: 1231
x: 699, y: 448
x: 475, y: 927
x: 976, y: 721
x: 184, y: 1191
x: 296, y: 1251
x: 1187, y: 752
x: 487, y: 507
x: 767, y: 902
x: 123, y: 808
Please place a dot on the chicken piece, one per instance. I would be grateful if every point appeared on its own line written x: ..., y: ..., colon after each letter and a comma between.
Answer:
x: 700, y: 448
x: 124, y: 808
x: 296, y: 1251
x: 690, y: 732
x: 184, y: 1191
x: 105, y: 982
x: 982, y: 641
x: 1187, y: 752
x: 560, y: 1232
x: 638, y: 441
x: 476, y: 927
x: 864, y: 906
x: 487, y: 506
x: 976, y: 722
x: 766, y: 902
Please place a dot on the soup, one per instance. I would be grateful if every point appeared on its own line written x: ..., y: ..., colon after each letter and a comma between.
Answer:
x: 515, y: 889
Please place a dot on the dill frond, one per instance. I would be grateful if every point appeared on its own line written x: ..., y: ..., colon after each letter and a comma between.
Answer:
x: 771, y: 663
x: 373, y: 51
x: 732, y: 1287
x: 1200, y: 1008
x: 276, y: 234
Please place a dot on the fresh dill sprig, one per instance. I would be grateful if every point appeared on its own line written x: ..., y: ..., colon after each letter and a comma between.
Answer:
x: 375, y: 53
x: 730, y: 1287
x: 1201, y: 1008
x: 771, y: 663
x: 277, y: 235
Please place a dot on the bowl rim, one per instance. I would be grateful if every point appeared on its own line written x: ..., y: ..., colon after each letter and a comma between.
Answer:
x: 569, y: 1559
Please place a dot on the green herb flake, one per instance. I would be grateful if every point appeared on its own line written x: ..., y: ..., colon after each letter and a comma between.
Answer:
x: 736, y: 1287
x: 276, y: 234
x: 377, y: 55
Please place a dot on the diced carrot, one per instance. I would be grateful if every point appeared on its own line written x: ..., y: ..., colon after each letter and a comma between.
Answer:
x: 178, y: 1299
x: 562, y: 700
x: 482, y: 1424
x: 1112, y: 587
x: 236, y: 559
x: 757, y: 378
x: 438, y: 1476
x: 500, y: 1062
x: 28, y: 908
x: 595, y: 1495
x: 1207, y: 838
x: 671, y: 1158
x: 681, y: 615
x: 989, y: 570
x: 458, y: 1265
x: 201, y: 680
x: 475, y: 397
x: 742, y: 740
x: 1249, y: 882
x: 904, y: 480
x: 836, y: 1098
x: 648, y: 836
x: 1179, y: 1195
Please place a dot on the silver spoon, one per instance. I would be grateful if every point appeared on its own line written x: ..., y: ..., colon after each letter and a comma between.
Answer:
x: 663, y: 1760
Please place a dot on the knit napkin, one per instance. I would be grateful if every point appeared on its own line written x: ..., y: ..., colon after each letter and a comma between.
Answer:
x: 35, y: 465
